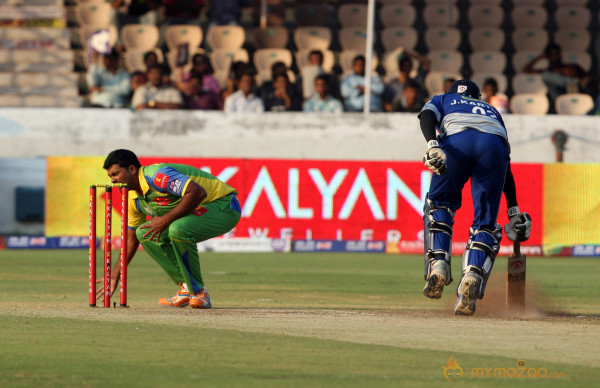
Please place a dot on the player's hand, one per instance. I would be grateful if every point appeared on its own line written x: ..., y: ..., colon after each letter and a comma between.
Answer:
x: 156, y: 226
x: 100, y: 287
x: 519, y: 225
x: 435, y: 158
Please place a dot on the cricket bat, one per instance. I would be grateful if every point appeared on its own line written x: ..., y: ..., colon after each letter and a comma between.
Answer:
x: 515, y: 279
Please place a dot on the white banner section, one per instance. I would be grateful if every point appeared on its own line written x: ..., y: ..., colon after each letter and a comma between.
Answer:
x: 241, y: 244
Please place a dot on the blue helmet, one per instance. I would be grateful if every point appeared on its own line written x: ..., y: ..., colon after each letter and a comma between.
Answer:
x: 466, y: 88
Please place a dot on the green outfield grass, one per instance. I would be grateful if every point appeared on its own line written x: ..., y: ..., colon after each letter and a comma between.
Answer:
x: 292, y: 320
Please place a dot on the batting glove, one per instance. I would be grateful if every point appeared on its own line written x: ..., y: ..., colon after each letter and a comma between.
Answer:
x: 519, y: 225
x: 435, y: 158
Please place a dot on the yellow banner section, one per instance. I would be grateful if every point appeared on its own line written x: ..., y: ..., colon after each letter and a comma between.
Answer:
x: 67, y: 196
x: 571, y: 204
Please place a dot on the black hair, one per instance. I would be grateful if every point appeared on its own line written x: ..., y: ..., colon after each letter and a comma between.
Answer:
x: 323, y: 77
x: 550, y: 47
x: 156, y: 66
x: 123, y: 158
x: 278, y: 68
x: 359, y: 57
x: 490, y: 81
x: 148, y: 54
x: 316, y: 52
x: 411, y: 83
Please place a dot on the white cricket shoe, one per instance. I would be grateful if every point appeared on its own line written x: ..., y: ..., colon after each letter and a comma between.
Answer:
x: 468, y: 292
x: 439, y: 276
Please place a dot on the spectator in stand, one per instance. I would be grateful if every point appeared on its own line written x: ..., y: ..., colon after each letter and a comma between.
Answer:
x: 135, y: 11
x: 236, y: 70
x: 353, y: 88
x: 138, y: 79
x: 267, y: 88
x: 223, y: 12
x: 322, y: 100
x: 559, y: 77
x: 200, y: 66
x: 283, y: 97
x: 151, y: 59
x: 311, y: 71
x: 491, y: 96
x: 244, y: 100
x: 447, y: 83
x: 411, y: 100
x: 109, y: 84
x: 155, y: 94
x: 394, y: 89
x: 182, y: 11
x: 200, y: 98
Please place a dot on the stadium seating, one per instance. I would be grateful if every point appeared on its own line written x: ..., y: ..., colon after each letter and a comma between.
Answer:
x: 581, y: 58
x: 523, y: 57
x: 347, y: 58
x: 575, y: 39
x: 442, y: 38
x: 314, y: 37
x: 142, y: 37
x: 529, y: 83
x: 529, y: 104
x: 353, y: 38
x: 488, y: 39
x: 352, y: 15
x: 179, y: 34
x: 308, y: 15
x: 225, y: 37
x: 530, y: 16
x: 574, y: 104
x: 446, y: 61
x: 488, y: 61
x: 93, y: 13
x: 397, y: 15
x: 488, y: 15
x: 394, y: 37
x: 440, y: 15
x: 480, y: 77
x: 529, y: 38
x: 572, y: 17
x: 270, y: 37
x: 434, y: 81
x: 390, y: 64
x: 134, y: 59
x: 264, y: 58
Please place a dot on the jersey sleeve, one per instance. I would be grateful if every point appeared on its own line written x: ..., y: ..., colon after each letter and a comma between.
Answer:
x: 168, y: 180
x: 135, y: 217
x: 435, y: 106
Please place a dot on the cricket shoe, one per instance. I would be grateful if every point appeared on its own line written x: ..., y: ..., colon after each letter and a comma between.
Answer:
x: 181, y: 299
x: 439, y: 276
x: 200, y: 300
x: 468, y: 292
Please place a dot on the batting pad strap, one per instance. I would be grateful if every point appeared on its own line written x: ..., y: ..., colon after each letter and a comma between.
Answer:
x: 433, y: 144
x: 482, y: 247
x: 513, y: 211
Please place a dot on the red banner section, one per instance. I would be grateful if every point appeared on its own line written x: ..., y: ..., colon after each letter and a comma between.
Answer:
x: 349, y: 200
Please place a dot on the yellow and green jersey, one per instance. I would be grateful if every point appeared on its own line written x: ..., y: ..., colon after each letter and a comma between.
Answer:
x: 163, y: 186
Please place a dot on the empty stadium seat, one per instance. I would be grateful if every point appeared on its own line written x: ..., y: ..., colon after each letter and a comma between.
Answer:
x: 572, y: 17
x: 270, y: 37
x: 314, y: 37
x: 528, y: 83
x: 139, y: 36
x: 93, y: 13
x: 442, y: 38
x: 574, y: 104
x: 446, y: 61
x: 439, y: 15
x: 575, y: 39
x: 529, y: 39
x: 353, y: 38
x: 394, y: 37
x: 488, y: 39
x: 352, y: 15
x: 264, y: 58
x: 523, y: 57
x: 178, y: 34
x: 397, y: 15
x: 529, y: 104
x: 308, y: 15
x: 222, y: 59
x: 530, y: 16
x: 225, y: 37
x: 488, y: 61
x: 485, y: 15
x: 581, y: 58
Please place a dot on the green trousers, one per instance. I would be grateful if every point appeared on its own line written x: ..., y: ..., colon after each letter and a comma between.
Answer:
x: 176, y: 250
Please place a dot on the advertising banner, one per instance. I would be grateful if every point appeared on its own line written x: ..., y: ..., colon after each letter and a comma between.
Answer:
x: 300, y: 199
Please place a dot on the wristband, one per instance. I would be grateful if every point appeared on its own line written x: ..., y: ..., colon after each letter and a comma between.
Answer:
x: 513, y: 211
x: 433, y: 144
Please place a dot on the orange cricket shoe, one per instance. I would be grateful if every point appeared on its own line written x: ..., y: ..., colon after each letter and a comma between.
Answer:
x: 181, y: 299
x: 200, y: 300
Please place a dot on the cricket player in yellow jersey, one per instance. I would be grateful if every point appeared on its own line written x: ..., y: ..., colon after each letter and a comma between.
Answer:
x: 186, y: 206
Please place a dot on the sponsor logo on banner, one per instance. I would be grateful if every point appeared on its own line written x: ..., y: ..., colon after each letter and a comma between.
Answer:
x: 237, y: 244
x: 161, y: 180
x: 40, y: 242
x: 586, y: 250
x: 338, y: 246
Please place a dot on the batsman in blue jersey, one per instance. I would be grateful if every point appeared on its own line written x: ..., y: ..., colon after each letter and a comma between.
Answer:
x: 472, y: 144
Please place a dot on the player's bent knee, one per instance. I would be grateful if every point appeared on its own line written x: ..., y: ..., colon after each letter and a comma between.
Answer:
x: 438, y: 223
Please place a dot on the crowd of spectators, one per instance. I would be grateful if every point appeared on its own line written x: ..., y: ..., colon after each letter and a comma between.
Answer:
x: 311, y: 90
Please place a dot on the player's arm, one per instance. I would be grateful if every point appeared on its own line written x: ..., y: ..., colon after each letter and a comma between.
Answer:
x: 519, y: 224
x: 115, y: 275
x: 435, y: 158
x: 193, y: 195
